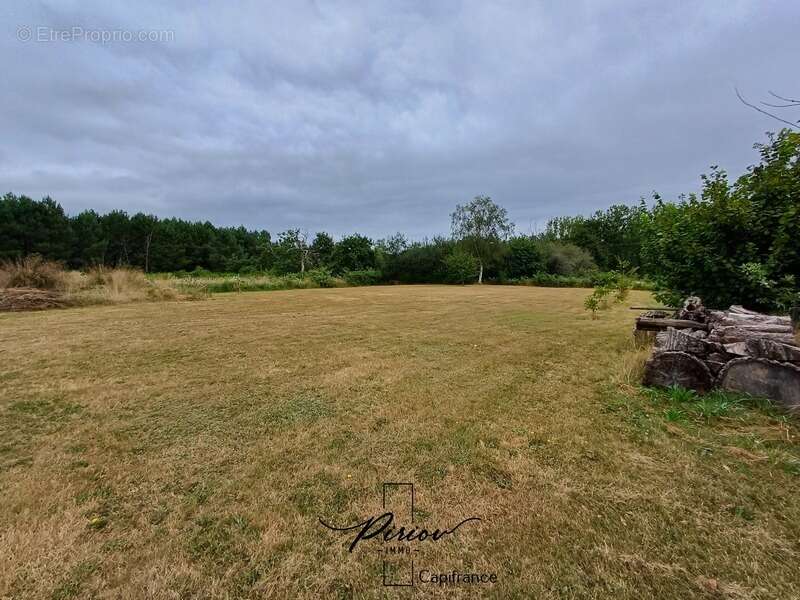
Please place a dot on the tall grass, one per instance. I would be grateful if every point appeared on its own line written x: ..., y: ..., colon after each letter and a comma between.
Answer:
x: 102, y: 285
x: 33, y: 272
x: 32, y: 283
x: 227, y: 282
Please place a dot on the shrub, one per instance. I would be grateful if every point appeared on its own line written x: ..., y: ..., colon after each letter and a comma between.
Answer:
x: 736, y: 243
x: 525, y: 257
x: 421, y: 262
x: 322, y: 277
x: 461, y: 267
x: 201, y: 272
x: 365, y: 277
x: 33, y: 272
x: 548, y: 280
x: 562, y: 258
x: 353, y: 253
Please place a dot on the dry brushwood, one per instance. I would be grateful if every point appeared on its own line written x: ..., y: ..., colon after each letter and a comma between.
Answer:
x: 16, y: 299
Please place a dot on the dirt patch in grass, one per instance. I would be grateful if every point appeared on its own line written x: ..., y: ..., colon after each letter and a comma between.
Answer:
x: 171, y: 450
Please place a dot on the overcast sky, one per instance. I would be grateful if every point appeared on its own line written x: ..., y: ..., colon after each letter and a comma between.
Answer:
x: 377, y: 117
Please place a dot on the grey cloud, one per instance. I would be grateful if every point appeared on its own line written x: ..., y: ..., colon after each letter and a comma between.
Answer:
x: 377, y: 117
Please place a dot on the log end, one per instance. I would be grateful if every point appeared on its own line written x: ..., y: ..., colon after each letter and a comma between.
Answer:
x: 763, y: 378
x: 668, y: 369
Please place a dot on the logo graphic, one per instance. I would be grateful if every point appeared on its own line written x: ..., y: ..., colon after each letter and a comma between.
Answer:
x: 24, y: 34
x: 397, y: 533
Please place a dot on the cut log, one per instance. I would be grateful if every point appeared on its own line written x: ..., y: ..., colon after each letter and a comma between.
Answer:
x: 648, y: 324
x: 675, y: 340
x: 730, y: 335
x: 716, y: 360
x: 698, y: 333
x: 737, y: 348
x: 655, y: 314
x: 643, y: 339
x: 667, y: 369
x: 723, y: 317
x: 738, y: 309
x: 715, y: 366
x: 763, y: 378
x: 722, y: 357
x: 763, y: 348
x: 755, y: 327
x: 693, y: 310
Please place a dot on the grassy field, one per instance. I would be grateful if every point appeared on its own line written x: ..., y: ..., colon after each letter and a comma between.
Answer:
x: 182, y: 450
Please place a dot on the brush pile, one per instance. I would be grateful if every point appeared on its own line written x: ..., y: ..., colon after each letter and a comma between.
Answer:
x: 14, y: 299
x: 737, y: 350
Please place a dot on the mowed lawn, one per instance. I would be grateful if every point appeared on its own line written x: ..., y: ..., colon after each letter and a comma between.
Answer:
x: 187, y: 450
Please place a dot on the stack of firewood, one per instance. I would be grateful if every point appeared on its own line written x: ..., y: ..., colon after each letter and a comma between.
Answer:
x: 737, y: 350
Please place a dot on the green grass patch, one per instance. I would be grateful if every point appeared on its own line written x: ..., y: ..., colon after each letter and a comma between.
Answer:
x: 303, y: 408
x: 72, y: 584
x: 51, y: 410
x: 221, y: 540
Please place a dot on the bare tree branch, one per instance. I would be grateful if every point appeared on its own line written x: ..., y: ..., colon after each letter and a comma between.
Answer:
x: 792, y: 100
x: 762, y: 111
x: 779, y: 105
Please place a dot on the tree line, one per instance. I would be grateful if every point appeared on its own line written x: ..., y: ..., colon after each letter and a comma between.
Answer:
x: 144, y: 241
x: 734, y: 242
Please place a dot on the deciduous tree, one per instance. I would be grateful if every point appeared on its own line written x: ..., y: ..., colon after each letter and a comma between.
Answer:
x: 481, y: 226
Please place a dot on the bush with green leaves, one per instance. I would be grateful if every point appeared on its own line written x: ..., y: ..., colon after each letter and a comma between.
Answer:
x: 610, y: 235
x: 548, y: 280
x: 525, y: 257
x: 737, y: 243
x: 563, y: 258
x: 421, y: 262
x: 353, y: 253
x: 461, y: 267
x: 322, y: 276
x: 615, y: 287
x: 363, y: 277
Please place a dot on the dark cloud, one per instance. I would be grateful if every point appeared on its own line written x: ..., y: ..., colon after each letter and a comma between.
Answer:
x: 379, y: 117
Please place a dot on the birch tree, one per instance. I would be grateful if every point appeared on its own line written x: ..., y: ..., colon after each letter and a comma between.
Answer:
x: 480, y: 227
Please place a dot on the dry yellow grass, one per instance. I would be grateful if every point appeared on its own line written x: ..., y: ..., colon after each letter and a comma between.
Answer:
x: 171, y: 450
x: 32, y: 283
